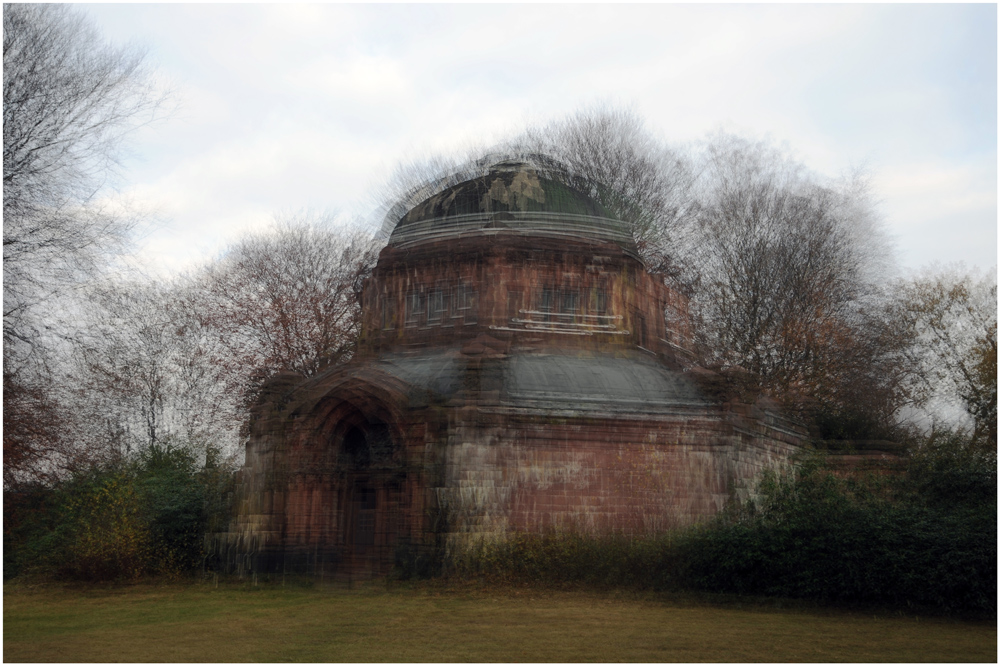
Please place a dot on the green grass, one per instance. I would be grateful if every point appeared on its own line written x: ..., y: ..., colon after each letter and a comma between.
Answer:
x: 232, y: 622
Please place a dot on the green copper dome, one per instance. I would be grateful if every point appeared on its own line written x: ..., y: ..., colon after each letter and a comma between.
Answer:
x: 515, y: 197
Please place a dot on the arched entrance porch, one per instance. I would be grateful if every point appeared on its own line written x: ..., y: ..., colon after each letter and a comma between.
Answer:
x: 376, y: 492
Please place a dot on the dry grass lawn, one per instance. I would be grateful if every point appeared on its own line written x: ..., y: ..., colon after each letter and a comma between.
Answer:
x: 200, y: 622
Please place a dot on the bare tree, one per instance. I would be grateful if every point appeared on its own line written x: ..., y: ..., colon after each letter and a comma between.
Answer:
x: 860, y: 374
x: 603, y: 151
x: 789, y: 284
x: 613, y: 157
x: 413, y: 181
x: 144, y: 374
x: 69, y: 99
x: 38, y: 443
x: 287, y: 299
x: 180, y: 362
x: 954, y: 315
x: 786, y: 271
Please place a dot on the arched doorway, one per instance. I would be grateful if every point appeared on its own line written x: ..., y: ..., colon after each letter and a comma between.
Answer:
x: 375, y: 496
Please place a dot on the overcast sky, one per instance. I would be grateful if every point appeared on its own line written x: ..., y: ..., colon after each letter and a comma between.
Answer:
x: 289, y: 107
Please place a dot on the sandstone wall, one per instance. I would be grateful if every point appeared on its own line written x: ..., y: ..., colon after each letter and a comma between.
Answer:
x: 529, y: 473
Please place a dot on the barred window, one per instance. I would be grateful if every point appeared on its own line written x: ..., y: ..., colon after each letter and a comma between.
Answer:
x: 515, y: 303
x: 466, y: 303
x: 598, y: 302
x: 569, y: 302
x: 413, y: 308
x: 547, y: 300
x: 437, y: 305
x: 388, y: 312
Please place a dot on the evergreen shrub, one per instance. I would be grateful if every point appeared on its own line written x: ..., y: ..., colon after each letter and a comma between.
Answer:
x: 120, y: 521
x: 924, y: 538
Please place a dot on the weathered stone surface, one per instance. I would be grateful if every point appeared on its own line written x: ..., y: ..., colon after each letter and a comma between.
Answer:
x: 518, y: 370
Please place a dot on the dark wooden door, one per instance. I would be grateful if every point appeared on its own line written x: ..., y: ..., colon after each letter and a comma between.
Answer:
x: 365, y: 511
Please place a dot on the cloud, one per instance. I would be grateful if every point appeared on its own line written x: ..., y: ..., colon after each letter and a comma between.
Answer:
x: 375, y: 79
x: 302, y: 105
x: 941, y: 212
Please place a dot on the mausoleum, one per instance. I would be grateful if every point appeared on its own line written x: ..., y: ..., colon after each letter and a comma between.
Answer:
x: 518, y: 371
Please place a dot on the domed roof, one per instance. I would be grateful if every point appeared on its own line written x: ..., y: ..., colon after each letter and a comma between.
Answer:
x: 516, y: 197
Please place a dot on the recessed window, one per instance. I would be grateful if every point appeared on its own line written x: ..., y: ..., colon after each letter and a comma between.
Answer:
x: 414, y: 308
x: 515, y: 303
x: 569, y: 301
x: 640, y: 330
x: 466, y: 303
x: 547, y: 300
x: 388, y: 313
x: 598, y: 302
x: 554, y: 302
x: 437, y: 305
